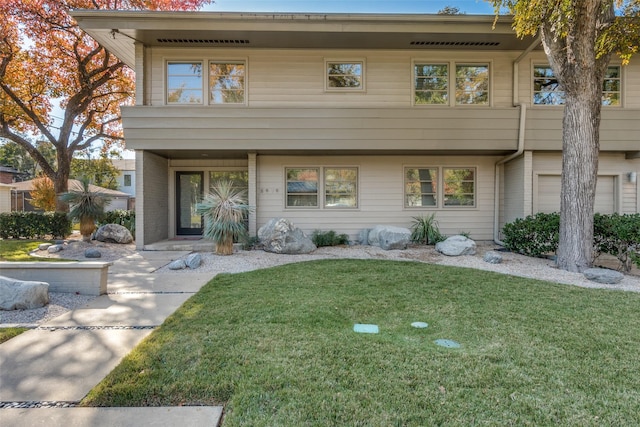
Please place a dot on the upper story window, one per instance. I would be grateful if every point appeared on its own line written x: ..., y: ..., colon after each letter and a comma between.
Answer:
x: 184, y: 82
x: 547, y: 90
x: 472, y: 84
x: 226, y: 82
x: 344, y: 75
x: 127, y: 180
x: 432, y: 84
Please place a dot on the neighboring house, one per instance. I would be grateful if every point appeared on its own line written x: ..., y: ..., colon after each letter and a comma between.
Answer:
x: 8, y: 174
x: 5, y: 197
x: 344, y: 121
x: 21, y: 195
x: 126, y: 178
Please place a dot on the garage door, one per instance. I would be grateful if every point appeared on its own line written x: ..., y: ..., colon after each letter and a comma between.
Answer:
x: 549, y: 194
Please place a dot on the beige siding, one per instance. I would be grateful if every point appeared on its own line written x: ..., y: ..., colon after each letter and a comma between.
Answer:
x: 295, y: 78
x: 5, y: 198
x: 514, y: 191
x: 611, y: 166
x: 380, y: 194
x: 152, y: 202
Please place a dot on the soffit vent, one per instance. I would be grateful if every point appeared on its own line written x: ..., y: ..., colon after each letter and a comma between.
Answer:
x: 233, y: 42
x: 446, y: 44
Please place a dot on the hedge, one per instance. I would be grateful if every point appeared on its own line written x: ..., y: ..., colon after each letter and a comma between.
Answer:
x: 34, y: 225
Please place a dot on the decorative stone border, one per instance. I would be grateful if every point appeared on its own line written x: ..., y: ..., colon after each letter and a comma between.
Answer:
x: 84, y: 278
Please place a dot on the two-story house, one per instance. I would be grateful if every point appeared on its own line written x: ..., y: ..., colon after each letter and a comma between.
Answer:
x: 345, y: 121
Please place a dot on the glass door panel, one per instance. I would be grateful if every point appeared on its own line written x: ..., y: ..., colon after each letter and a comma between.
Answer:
x: 188, y: 194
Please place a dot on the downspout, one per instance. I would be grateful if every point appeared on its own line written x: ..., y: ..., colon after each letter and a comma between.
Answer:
x: 520, y: 148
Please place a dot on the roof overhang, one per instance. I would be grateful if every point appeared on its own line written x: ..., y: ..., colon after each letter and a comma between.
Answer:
x: 118, y: 31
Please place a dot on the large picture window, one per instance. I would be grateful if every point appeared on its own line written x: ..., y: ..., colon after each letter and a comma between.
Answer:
x: 547, y: 89
x: 338, y: 187
x: 184, y: 82
x: 226, y: 82
x: 344, y: 75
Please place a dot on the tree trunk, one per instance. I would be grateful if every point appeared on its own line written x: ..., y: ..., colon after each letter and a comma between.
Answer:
x: 61, y: 178
x: 580, y: 146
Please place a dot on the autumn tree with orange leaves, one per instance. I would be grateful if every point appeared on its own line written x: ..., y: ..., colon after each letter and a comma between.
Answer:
x: 45, y: 58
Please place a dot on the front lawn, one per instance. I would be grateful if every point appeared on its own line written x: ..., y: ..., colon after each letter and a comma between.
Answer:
x: 19, y: 250
x: 277, y: 347
x: 7, y: 333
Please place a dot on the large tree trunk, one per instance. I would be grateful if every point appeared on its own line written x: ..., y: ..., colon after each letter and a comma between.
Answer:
x: 580, y: 147
x: 61, y: 178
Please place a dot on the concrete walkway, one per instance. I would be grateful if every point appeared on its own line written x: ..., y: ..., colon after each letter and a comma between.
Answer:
x: 58, y: 363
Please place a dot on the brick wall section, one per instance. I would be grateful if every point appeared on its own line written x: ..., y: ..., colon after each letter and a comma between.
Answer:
x: 152, y: 198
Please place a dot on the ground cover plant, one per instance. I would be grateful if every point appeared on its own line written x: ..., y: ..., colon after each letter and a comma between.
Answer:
x: 7, y: 333
x: 277, y: 347
x: 18, y: 251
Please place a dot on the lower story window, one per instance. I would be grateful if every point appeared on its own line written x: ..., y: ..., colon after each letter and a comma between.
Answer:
x: 340, y: 186
x: 431, y: 187
x: 459, y: 186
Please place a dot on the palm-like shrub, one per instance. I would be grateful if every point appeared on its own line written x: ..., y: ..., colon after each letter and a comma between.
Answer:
x: 224, y: 211
x: 85, y: 206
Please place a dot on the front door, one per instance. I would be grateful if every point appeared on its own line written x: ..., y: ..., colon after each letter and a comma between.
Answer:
x: 188, y: 194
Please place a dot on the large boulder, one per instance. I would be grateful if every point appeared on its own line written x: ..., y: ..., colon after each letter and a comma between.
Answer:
x: 603, y: 275
x: 456, y: 246
x: 22, y: 295
x: 114, y: 233
x: 389, y: 237
x: 280, y: 236
x: 193, y: 261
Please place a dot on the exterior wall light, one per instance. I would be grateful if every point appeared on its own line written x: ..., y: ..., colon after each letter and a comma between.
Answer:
x: 633, y: 177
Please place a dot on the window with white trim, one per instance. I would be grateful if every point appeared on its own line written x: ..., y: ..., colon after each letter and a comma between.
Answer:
x: 184, y: 82
x: 344, y: 75
x: 547, y: 89
x: 434, y: 85
x: 433, y: 187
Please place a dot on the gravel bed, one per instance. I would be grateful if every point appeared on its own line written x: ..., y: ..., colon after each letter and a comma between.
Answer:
x: 514, y: 264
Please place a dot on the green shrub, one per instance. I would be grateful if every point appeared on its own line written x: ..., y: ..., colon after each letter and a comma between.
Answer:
x: 329, y: 238
x: 122, y: 217
x: 34, y: 225
x: 424, y: 230
x: 535, y: 235
x: 618, y: 235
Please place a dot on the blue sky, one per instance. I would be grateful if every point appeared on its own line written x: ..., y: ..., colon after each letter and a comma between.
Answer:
x: 469, y: 7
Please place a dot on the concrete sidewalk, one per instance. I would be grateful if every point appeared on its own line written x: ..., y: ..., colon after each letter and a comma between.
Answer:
x: 63, y: 359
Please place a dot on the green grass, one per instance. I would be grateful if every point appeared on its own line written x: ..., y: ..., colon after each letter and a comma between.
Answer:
x: 7, y: 333
x: 18, y: 251
x: 277, y: 347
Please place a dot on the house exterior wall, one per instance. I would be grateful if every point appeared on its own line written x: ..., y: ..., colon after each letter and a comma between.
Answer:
x: 380, y: 195
x: 5, y: 198
x: 152, y: 205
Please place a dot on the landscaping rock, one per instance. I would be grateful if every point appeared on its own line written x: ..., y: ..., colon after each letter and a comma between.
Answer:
x: 389, y: 237
x: 44, y: 246
x: 114, y: 233
x: 492, y: 257
x: 54, y: 248
x: 457, y: 246
x: 178, y: 264
x: 22, y: 295
x: 603, y: 275
x: 280, y: 236
x: 363, y: 236
x: 193, y: 261
x: 92, y: 253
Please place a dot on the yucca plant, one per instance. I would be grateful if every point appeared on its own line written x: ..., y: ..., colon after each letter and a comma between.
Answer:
x: 224, y: 210
x: 424, y: 230
x: 85, y: 206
